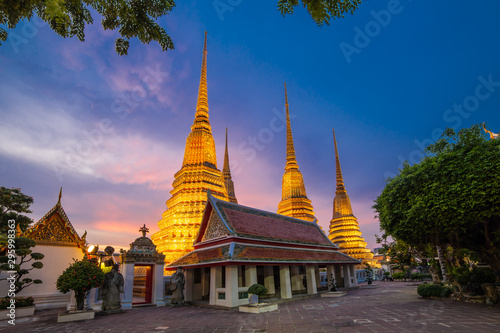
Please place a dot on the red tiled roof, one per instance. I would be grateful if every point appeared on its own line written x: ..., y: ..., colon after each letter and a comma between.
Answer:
x: 226, y: 254
x: 201, y: 256
x: 271, y: 254
x: 249, y: 222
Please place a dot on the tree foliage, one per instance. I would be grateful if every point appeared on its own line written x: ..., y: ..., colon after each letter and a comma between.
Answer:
x: 81, y: 276
x: 135, y: 18
x: 68, y: 18
x: 321, y: 11
x: 22, y: 254
x: 451, y: 197
x: 13, y: 203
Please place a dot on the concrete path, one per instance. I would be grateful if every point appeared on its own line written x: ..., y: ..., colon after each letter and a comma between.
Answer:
x: 394, y: 307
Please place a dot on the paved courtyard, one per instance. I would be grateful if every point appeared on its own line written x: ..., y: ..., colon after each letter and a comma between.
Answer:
x: 394, y: 307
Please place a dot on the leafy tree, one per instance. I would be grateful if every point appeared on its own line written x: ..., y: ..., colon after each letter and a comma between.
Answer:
x: 449, y: 198
x: 22, y: 249
x: 81, y: 277
x: 12, y: 204
x: 321, y: 11
x: 68, y: 18
x: 135, y: 18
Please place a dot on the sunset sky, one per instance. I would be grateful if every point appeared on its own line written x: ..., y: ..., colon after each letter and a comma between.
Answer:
x: 110, y: 130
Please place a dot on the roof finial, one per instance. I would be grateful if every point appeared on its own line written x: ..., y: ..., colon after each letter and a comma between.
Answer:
x: 60, y: 195
x: 340, y: 180
x: 291, y: 160
x: 144, y: 230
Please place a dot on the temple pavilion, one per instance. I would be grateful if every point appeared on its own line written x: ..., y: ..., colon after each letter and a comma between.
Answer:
x: 238, y: 246
x: 180, y: 223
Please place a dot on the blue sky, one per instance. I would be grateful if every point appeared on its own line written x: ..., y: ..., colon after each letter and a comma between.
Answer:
x: 111, y: 129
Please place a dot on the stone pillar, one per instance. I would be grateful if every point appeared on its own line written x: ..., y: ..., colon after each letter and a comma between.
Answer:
x: 232, y: 286
x: 215, y: 282
x: 188, y: 287
x: 159, y: 286
x: 285, y: 283
x: 250, y: 275
x: 311, y: 280
x: 352, y: 269
x: 127, y: 271
x: 269, y: 279
x: 349, y: 276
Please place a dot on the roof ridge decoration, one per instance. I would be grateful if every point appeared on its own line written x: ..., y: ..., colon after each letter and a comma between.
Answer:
x: 51, y: 230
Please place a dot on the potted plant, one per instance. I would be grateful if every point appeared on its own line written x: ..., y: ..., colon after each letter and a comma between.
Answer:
x: 18, y: 307
x: 81, y: 277
x: 369, y: 274
x: 256, y: 307
x: 332, y: 289
x: 258, y: 290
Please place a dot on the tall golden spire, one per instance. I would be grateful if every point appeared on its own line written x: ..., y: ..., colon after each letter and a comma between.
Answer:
x: 344, y: 227
x: 180, y: 221
x: 294, y: 201
x: 201, y: 117
x: 226, y: 172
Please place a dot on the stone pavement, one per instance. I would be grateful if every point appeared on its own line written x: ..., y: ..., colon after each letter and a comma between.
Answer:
x: 394, y: 307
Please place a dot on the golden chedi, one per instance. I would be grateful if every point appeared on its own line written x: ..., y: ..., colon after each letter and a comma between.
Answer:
x: 180, y: 221
x: 294, y: 201
x: 344, y: 227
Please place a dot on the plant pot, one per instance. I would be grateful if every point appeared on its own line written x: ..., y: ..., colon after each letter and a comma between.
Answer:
x: 258, y: 308
x: 66, y: 316
x: 334, y: 294
x: 17, y: 312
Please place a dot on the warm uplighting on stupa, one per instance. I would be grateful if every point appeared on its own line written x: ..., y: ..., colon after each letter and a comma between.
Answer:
x: 180, y: 222
x: 294, y: 201
x: 344, y: 227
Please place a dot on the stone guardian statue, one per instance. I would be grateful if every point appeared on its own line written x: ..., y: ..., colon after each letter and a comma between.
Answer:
x: 111, y: 290
x: 177, y: 281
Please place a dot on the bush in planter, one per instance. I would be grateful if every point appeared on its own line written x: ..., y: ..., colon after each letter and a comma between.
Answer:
x: 20, y: 302
x: 398, y: 276
x: 81, y: 277
x: 257, y: 289
x: 434, y: 290
x: 369, y: 273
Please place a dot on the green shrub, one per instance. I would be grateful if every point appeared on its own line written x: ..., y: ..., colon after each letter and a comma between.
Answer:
x: 398, y: 276
x: 434, y: 290
x: 484, y: 275
x: 257, y: 289
x: 20, y: 302
x: 416, y: 276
